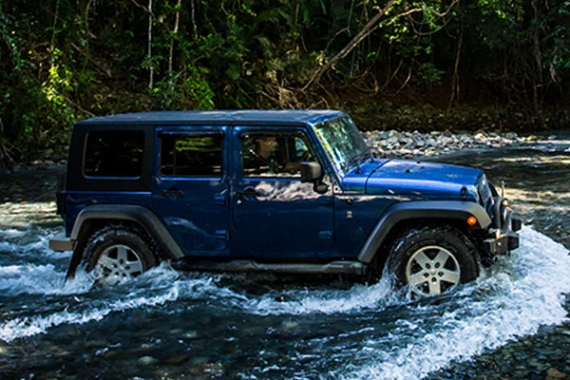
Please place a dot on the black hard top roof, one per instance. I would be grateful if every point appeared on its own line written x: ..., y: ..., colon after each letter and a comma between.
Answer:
x: 222, y: 117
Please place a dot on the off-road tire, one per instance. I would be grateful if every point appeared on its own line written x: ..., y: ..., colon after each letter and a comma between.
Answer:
x: 117, y: 253
x: 431, y: 260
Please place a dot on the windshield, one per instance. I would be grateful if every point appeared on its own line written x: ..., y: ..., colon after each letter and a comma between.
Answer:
x: 343, y: 142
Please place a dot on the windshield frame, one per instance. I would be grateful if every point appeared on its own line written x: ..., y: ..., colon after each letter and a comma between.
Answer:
x: 342, y: 142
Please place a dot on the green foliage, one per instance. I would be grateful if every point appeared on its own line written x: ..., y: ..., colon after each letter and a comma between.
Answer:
x: 63, y: 61
x: 34, y: 113
x: 191, y: 92
x: 427, y: 73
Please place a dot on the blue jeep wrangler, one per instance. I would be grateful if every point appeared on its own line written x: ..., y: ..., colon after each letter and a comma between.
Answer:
x: 271, y: 191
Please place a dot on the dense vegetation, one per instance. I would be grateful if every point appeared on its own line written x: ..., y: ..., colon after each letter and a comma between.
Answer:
x: 432, y: 64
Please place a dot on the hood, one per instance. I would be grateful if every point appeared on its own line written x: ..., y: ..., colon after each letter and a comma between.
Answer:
x: 416, y: 179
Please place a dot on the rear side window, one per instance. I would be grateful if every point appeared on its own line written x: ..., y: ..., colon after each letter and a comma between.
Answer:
x: 114, y: 154
x: 194, y: 155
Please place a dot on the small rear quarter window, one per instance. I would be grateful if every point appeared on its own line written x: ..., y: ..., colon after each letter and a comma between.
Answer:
x: 114, y: 154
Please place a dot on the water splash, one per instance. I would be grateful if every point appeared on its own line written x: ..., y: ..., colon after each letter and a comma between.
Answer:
x: 503, y: 307
x: 82, y: 313
x: 370, y: 332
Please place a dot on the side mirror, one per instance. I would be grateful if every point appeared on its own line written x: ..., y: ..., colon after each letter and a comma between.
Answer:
x: 310, y: 171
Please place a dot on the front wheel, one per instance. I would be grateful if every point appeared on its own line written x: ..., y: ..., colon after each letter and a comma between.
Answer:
x: 116, y: 254
x: 433, y: 260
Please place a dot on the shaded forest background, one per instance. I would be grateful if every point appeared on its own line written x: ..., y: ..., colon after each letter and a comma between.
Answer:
x: 425, y: 65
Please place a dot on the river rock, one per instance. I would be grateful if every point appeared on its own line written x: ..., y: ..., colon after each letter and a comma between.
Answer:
x: 178, y: 359
x: 192, y: 334
x: 553, y: 373
x: 147, y: 360
x: 289, y: 325
x: 405, y: 144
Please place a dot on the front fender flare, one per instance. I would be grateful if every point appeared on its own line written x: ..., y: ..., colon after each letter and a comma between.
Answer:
x: 435, y: 210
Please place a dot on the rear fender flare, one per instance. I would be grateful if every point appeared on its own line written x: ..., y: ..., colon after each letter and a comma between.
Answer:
x: 137, y: 214
x: 456, y: 211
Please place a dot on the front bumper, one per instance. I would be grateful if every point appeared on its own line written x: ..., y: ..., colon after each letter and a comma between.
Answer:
x: 503, y: 237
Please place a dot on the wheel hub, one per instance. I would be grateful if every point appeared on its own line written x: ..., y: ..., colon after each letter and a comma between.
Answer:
x: 117, y: 264
x: 432, y: 270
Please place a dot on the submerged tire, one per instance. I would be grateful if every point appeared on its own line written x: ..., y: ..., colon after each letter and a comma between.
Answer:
x: 433, y: 260
x: 116, y: 254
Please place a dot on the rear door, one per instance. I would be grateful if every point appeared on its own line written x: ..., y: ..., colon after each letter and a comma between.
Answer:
x: 190, y: 187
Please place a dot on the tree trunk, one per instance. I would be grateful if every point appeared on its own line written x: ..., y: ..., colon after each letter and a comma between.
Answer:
x: 538, y: 80
x: 455, y: 77
x: 151, y: 69
x: 174, y: 33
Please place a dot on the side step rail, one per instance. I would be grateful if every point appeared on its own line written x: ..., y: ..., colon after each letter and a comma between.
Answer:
x: 335, y: 267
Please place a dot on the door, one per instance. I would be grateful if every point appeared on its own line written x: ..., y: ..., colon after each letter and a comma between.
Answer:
x: 275, y: 216
x: 189, y: 191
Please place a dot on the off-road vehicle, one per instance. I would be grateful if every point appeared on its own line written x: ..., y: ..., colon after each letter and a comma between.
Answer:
x: 277, y: 191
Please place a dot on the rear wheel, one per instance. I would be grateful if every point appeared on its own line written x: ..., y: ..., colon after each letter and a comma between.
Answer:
x: 433, y: 260
x: 116, y: 254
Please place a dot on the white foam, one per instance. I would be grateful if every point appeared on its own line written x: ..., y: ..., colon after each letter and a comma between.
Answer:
x: 500, y: 306
x: 28, y: 326
x: 300, y: 302
x: 11, y: 233
x: 512, y: 306
x: 30, y: 279
x: 31, y: 241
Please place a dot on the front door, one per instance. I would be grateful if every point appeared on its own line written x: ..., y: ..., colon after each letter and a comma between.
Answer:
x: 190, y: 187
x: 275, y: 216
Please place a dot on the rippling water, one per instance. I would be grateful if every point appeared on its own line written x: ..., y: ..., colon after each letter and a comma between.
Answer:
x: 167, y: 324
x: 171, y: 325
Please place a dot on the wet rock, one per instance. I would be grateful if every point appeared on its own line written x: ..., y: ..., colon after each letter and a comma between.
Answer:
x: 289, y: 325
x: 110, y: 354
x: 207, y: 370
x: 553, y: 373
x: 406, y: 144
x: 192, y: 334
x: 147, y: 360
x: 177, y: 360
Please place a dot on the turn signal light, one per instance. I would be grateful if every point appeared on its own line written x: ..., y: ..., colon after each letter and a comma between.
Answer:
x: 471, y: 221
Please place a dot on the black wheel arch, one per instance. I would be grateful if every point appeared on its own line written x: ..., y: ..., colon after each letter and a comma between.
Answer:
x: 402, y: 215
x: 96, y: 217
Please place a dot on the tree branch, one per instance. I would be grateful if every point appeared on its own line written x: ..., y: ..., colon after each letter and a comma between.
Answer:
x: 107, y: 72
x: 350, y: 46
x: 370, y: 27
x: 146, y: 9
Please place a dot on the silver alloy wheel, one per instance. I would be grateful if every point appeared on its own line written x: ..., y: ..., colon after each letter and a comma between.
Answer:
x: 118, y: 263
x: 432, y: 270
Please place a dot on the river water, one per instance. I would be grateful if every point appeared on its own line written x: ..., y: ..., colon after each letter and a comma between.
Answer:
x: 511, y: 322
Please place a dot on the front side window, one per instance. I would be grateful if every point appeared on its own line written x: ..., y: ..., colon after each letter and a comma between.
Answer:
x: 197, y: 155
x: 274, y: 155
x: 114, y: 154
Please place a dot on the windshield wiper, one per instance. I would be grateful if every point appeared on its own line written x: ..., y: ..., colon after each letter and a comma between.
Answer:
x: 359, y: 160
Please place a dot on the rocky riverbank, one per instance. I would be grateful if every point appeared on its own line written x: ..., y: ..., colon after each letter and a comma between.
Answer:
x: 393, y: 143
